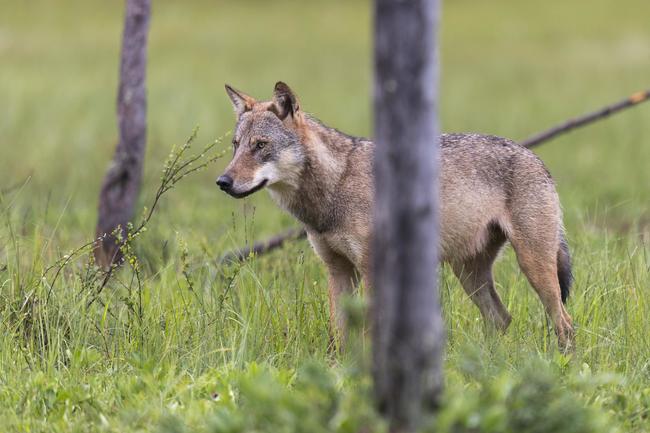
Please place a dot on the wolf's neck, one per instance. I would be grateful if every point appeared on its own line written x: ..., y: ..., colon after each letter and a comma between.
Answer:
x: 313, y: 200
x: 332, y: 137
x: 327, y: 149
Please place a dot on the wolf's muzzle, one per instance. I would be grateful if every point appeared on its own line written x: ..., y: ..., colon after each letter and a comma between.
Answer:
x: 225, y: 182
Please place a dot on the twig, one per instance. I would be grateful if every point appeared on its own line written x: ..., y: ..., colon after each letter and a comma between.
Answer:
x: 571, y: 124
x: 177, y: 167
x: 278, y: 240
x: 172, y: 174
x: 16, y: 185
x: 259, y: 248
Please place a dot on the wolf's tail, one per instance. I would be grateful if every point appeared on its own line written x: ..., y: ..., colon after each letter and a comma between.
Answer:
x: 564, y: 273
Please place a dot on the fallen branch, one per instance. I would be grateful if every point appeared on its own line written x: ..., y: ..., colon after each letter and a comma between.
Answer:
x: 278, y: 240
x: 259, y: 248
x: 571, y: 124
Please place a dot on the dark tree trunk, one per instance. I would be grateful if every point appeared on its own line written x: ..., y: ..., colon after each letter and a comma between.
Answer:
x: 122, y: 181
x: 408, y: 329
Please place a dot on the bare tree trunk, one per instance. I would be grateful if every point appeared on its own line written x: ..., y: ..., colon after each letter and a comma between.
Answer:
x: 408, y: 329
x: 122, y: 181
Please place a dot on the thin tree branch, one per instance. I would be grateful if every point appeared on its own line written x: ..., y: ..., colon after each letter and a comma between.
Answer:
x: 259, y: 248
x: 175, y: 169
x: 577, y: 122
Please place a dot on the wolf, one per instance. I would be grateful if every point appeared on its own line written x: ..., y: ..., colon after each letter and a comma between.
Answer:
x: 492, y: 191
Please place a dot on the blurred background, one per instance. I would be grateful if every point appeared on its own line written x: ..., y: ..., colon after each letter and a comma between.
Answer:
x: 509, y: 68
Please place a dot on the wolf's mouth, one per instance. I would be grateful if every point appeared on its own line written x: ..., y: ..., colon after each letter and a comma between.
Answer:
x: 259, y: 186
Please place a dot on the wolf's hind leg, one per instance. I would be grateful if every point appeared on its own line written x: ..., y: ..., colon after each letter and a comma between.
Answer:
x: 538, y: 260
x: 475, y: 275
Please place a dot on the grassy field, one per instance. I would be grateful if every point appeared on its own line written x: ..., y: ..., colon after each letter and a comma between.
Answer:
x: 203, y: 347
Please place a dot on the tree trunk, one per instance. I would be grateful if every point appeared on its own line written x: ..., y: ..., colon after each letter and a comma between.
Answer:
x: 121, y: 184
x: 408, y: 329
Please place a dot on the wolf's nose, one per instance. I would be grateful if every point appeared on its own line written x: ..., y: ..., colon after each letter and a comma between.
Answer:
x: 224, y: 182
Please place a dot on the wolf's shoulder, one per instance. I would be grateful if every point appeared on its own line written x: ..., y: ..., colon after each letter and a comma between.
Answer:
x: 465, y: 139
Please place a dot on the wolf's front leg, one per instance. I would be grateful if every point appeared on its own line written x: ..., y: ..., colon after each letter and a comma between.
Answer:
x: 342, y: 279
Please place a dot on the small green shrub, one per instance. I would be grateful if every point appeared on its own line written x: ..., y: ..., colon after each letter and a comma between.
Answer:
x: 539, y: 399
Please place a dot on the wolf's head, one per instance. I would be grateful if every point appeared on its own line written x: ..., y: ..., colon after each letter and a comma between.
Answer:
x: 266, y: 143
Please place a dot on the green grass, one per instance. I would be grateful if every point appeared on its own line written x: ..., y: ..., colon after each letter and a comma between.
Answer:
x: 256, y: 335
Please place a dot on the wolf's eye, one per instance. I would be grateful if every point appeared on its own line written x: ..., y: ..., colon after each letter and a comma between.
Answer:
x: 260, y: 144
x: 235, y: 143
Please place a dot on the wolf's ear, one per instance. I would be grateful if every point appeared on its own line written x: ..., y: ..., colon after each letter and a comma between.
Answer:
x: 241, y: 102
x: 285, y: 101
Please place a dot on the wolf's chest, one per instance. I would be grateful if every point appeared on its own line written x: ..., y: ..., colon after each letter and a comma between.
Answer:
x: 346, y: 245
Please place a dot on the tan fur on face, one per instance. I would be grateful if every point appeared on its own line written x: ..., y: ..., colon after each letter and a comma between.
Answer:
x: 245, y: 170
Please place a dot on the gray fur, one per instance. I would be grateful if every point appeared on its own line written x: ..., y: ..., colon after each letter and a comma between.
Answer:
x: 492, y: 191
